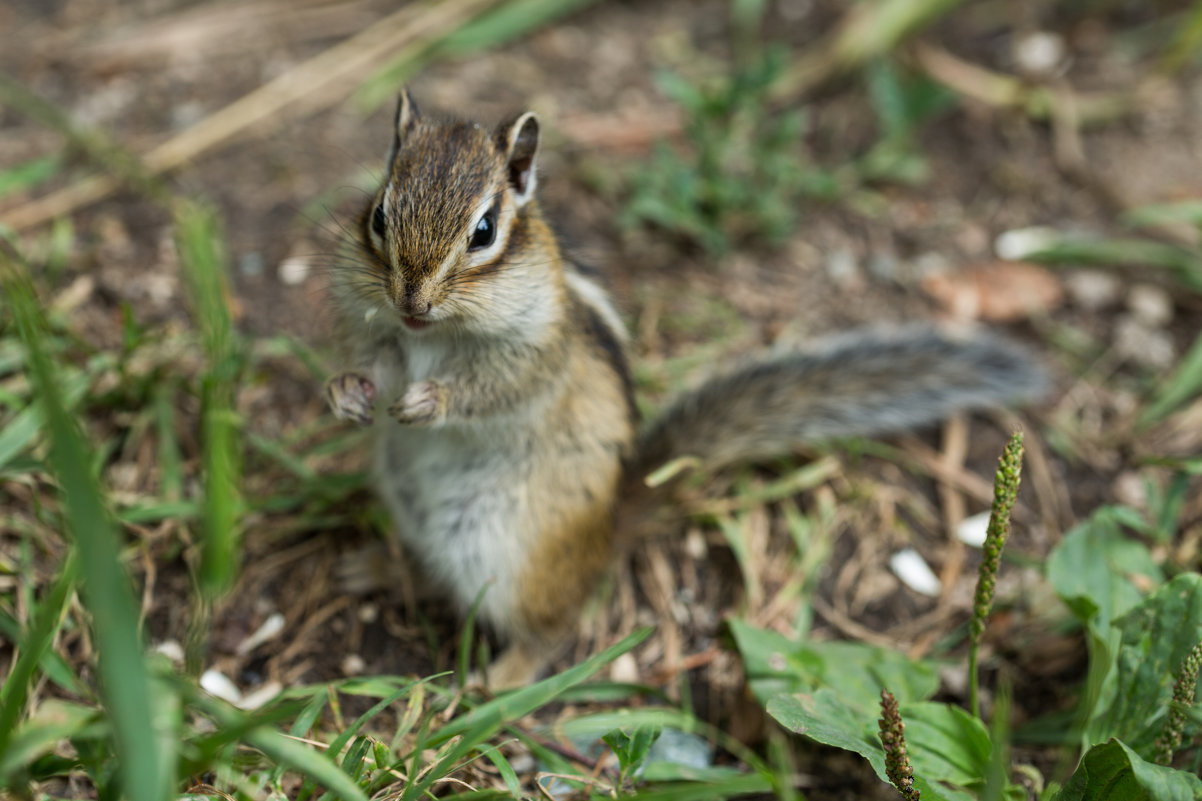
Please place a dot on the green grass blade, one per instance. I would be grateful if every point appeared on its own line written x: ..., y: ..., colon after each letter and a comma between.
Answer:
x: 28, y: 175
x: 305, y: 760
x: 1184, y: 384
x: 124, y: 678
x: 508, y: 775
x: 283, y: 749
x: 171, y: 471
x: 1185, y: 265
x: 487, y: 719
x: 34, y: 646
x: 23, y: 428
x: 519, y: 703
x: 362, y: 720
x: 44, y: 733
x: 203, y: 261
x: 53, y: 666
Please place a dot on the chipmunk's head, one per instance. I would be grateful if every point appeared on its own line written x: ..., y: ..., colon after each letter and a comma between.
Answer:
x: 447, y: 233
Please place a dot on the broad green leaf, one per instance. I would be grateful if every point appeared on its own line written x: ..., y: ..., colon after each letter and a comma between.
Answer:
x: 1156, y: 637
x: 857, y: 672
x: 1113, y: 772
x: 946, y: 743
x: 823, y: 717
x: 1094, y: 569
x: 632, y: 748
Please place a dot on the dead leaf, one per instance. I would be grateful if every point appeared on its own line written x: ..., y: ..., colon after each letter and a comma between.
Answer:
x: 999, y: 291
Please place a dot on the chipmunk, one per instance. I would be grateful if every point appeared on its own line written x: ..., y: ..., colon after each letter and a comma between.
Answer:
x: 494, y: 373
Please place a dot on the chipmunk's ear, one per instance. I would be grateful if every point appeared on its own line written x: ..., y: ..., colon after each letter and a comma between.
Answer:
x: 518, y: 139
x: 406, y: 117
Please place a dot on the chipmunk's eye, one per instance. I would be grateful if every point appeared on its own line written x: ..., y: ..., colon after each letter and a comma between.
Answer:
x: 485, y: 233
x: 377, y: 221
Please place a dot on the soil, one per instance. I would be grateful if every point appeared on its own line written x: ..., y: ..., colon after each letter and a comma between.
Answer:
x: 286, y: 192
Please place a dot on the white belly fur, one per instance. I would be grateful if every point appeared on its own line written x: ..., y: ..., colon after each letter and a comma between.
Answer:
x: 458, y: 498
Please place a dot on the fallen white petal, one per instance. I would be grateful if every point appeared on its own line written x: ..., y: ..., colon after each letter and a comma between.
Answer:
x: 294, y: 270
x: 217, y: 684
x: 172, y: 650
x: 1022, y: 242
x: 258, y: 697
x: 971, y: 530
x: 270, y: 629
x: 914, y: 572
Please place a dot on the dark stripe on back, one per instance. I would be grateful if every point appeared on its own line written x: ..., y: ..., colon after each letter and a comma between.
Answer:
x: 606, y: 342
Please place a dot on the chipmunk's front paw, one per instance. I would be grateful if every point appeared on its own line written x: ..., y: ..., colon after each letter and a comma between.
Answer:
x: 423, y: 404
x: 350, y: 396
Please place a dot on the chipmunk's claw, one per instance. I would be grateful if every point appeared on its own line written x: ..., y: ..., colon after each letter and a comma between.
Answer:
x: 350, y: 396
x: 423, y: 404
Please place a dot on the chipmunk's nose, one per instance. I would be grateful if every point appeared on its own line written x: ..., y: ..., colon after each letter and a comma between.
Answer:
x: 413, y: 306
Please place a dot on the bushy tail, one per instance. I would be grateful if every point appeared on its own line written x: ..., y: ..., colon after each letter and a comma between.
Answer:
x: 860, y: 384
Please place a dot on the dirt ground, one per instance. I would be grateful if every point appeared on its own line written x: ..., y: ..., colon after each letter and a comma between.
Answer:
x: 143, y: 71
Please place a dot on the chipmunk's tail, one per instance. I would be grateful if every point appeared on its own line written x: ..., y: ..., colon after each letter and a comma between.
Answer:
x: 861, y: 384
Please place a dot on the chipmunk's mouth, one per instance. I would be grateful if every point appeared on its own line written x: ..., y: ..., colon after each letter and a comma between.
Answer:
x: 415, y: 323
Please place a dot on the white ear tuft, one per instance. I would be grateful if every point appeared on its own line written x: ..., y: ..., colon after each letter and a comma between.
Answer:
x: 521, y: 144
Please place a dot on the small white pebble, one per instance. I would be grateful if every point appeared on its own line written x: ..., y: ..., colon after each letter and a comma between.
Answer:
x: 522, y: 763
x: 842, y: 266
x: 694, y: 545
x: 217, y: 684
x: 1150, y: 304
x: 294, y: 270
x: 159, y: 288
x: 172, y: 650
x: 1039, y: 52
x: 271, y: 628
x: 1020, y: 243
x: 625, y: 669
x: 1092, y: 290
x: 1137, y: 342
x: 74, y: 295
x: 260, y: 695
x: 914, y: 572
x: 1131, y: 490
x: 353, y: 665
x: 971, y: 530
x: 931, y: 262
